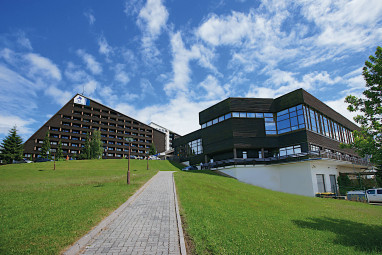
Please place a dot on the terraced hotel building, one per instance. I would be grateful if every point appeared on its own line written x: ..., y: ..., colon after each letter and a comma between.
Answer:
x: 266, y: 132
x: 80, y: 116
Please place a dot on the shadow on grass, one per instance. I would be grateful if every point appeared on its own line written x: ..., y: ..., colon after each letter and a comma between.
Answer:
x: 181, y: 166
x: 177, y: 165
x: 363, y: 237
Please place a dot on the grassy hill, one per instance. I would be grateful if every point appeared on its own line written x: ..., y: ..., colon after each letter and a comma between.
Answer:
x: 42, y: 211
x: 224, y: 216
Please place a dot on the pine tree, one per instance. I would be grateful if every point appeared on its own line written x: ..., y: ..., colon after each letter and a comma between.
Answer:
x: 96, y: 146
x: 11, y: 147
x: 59, y: 154
x: 45, y: 149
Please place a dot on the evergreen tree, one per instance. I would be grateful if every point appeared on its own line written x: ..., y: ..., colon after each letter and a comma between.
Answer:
x: 96, y: 146
x: 86, y: 150
x: 11, y: 147
x: 45, y: 149
x: 368, y: 140
x: 152, y: 150
x: 59, y: 154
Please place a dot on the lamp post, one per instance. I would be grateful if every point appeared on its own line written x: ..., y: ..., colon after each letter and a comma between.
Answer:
x: 54, y: 158
x: 129, y: 140
x: 147, y: 155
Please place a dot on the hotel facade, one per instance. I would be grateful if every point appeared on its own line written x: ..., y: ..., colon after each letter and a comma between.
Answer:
x: 290, y: 143
x: 80, y: 116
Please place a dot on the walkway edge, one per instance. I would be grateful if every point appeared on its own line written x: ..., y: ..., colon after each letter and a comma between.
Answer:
x: 182, y: 244
x: 83, y: 241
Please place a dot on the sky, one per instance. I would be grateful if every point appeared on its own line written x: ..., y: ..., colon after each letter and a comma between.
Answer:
x: 166, y: 60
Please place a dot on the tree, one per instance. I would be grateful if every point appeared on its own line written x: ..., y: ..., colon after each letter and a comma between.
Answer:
x: 368, y: 140
x: 11, y: 147
x: 152, y: 150
x: 59, y: 154
x: 96, y: 147
x: 45, y: 148
x: 86, y: 150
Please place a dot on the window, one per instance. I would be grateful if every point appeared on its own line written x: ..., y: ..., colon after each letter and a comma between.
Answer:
x: 290, y: 119
x: 192, y: 148
x: 372, y: 192
x: 236, y: 114
x: 290, y: 150
x: 320, y: 183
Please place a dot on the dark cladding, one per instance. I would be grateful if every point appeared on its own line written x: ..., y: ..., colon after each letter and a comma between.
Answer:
x: 80, y: 116
x: 262, y: 128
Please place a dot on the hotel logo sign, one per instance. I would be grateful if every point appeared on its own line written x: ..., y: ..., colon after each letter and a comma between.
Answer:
x: 81, y: 100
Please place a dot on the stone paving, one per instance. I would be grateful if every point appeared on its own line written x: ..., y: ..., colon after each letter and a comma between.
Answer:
x: 146, y: 226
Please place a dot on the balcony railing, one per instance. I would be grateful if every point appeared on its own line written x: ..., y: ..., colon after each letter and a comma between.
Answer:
x: 289, y: 158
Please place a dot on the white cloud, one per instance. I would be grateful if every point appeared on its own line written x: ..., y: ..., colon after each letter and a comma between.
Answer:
x: 24, y: 41
x: 349, y: 24
x: 75, y: 74
x: 109, y: 96
x: 88, y: 87
x: 212, y: 88
x: 230, y: 29
x: 146, y: 87
x: 104, y: 47
x: 120, y: 75
x: 90, y: 16
x: 152, y: 20
x: 340, y: 106
x: 42, y: 66
x: 60, y: 96
x: 180, y: 114
x: 180, y: 65
x: 282, y: 82
x: 93, y: 66
x: 9, y: 121
x: 18, y: 93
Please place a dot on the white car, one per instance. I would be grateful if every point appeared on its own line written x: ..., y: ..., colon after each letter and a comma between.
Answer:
x: 374, y: 195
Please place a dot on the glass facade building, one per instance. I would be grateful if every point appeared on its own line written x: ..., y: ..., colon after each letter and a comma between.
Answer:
x: 259, y: 128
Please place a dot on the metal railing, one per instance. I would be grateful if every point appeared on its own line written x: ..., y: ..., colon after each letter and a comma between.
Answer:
x: 287, y: 158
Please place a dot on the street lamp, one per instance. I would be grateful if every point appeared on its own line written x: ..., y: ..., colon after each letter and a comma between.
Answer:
x: 129, y: 140
x: 147, y: 155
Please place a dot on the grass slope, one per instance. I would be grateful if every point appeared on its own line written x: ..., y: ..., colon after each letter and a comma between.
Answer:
x: 43, y: 211
x: 224, y: 216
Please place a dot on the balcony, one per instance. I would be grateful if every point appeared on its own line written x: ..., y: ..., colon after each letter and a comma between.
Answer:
x: 352, y: 160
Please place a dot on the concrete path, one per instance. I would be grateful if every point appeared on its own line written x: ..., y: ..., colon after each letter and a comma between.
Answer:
x: 148, y: 223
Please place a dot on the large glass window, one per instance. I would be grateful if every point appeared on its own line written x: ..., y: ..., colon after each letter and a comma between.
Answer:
x: 191, y: 148
x: 290, y: 119
x: 317, y: 122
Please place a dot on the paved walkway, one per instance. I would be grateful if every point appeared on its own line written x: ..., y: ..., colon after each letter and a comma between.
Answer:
x: 146, y: 224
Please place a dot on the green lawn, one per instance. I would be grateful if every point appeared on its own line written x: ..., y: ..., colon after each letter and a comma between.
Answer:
x: 224, y: 216
x: 43, y: 211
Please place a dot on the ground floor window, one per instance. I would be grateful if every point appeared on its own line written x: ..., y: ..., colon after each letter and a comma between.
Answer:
x: 320, y: 183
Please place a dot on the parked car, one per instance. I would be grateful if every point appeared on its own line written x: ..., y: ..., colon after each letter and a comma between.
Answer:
x: 356, y: 195
x: 24, y: 160
x: 374, y: 195
x: 187, y: 168
x: 42, y: 160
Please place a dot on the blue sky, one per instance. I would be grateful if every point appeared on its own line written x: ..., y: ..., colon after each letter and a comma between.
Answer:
x: 164, y: 61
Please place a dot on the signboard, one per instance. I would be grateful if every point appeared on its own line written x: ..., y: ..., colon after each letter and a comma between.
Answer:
x: 81, y: 100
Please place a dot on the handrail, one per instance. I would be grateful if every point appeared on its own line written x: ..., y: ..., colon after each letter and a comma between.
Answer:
x: 288, y: 158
